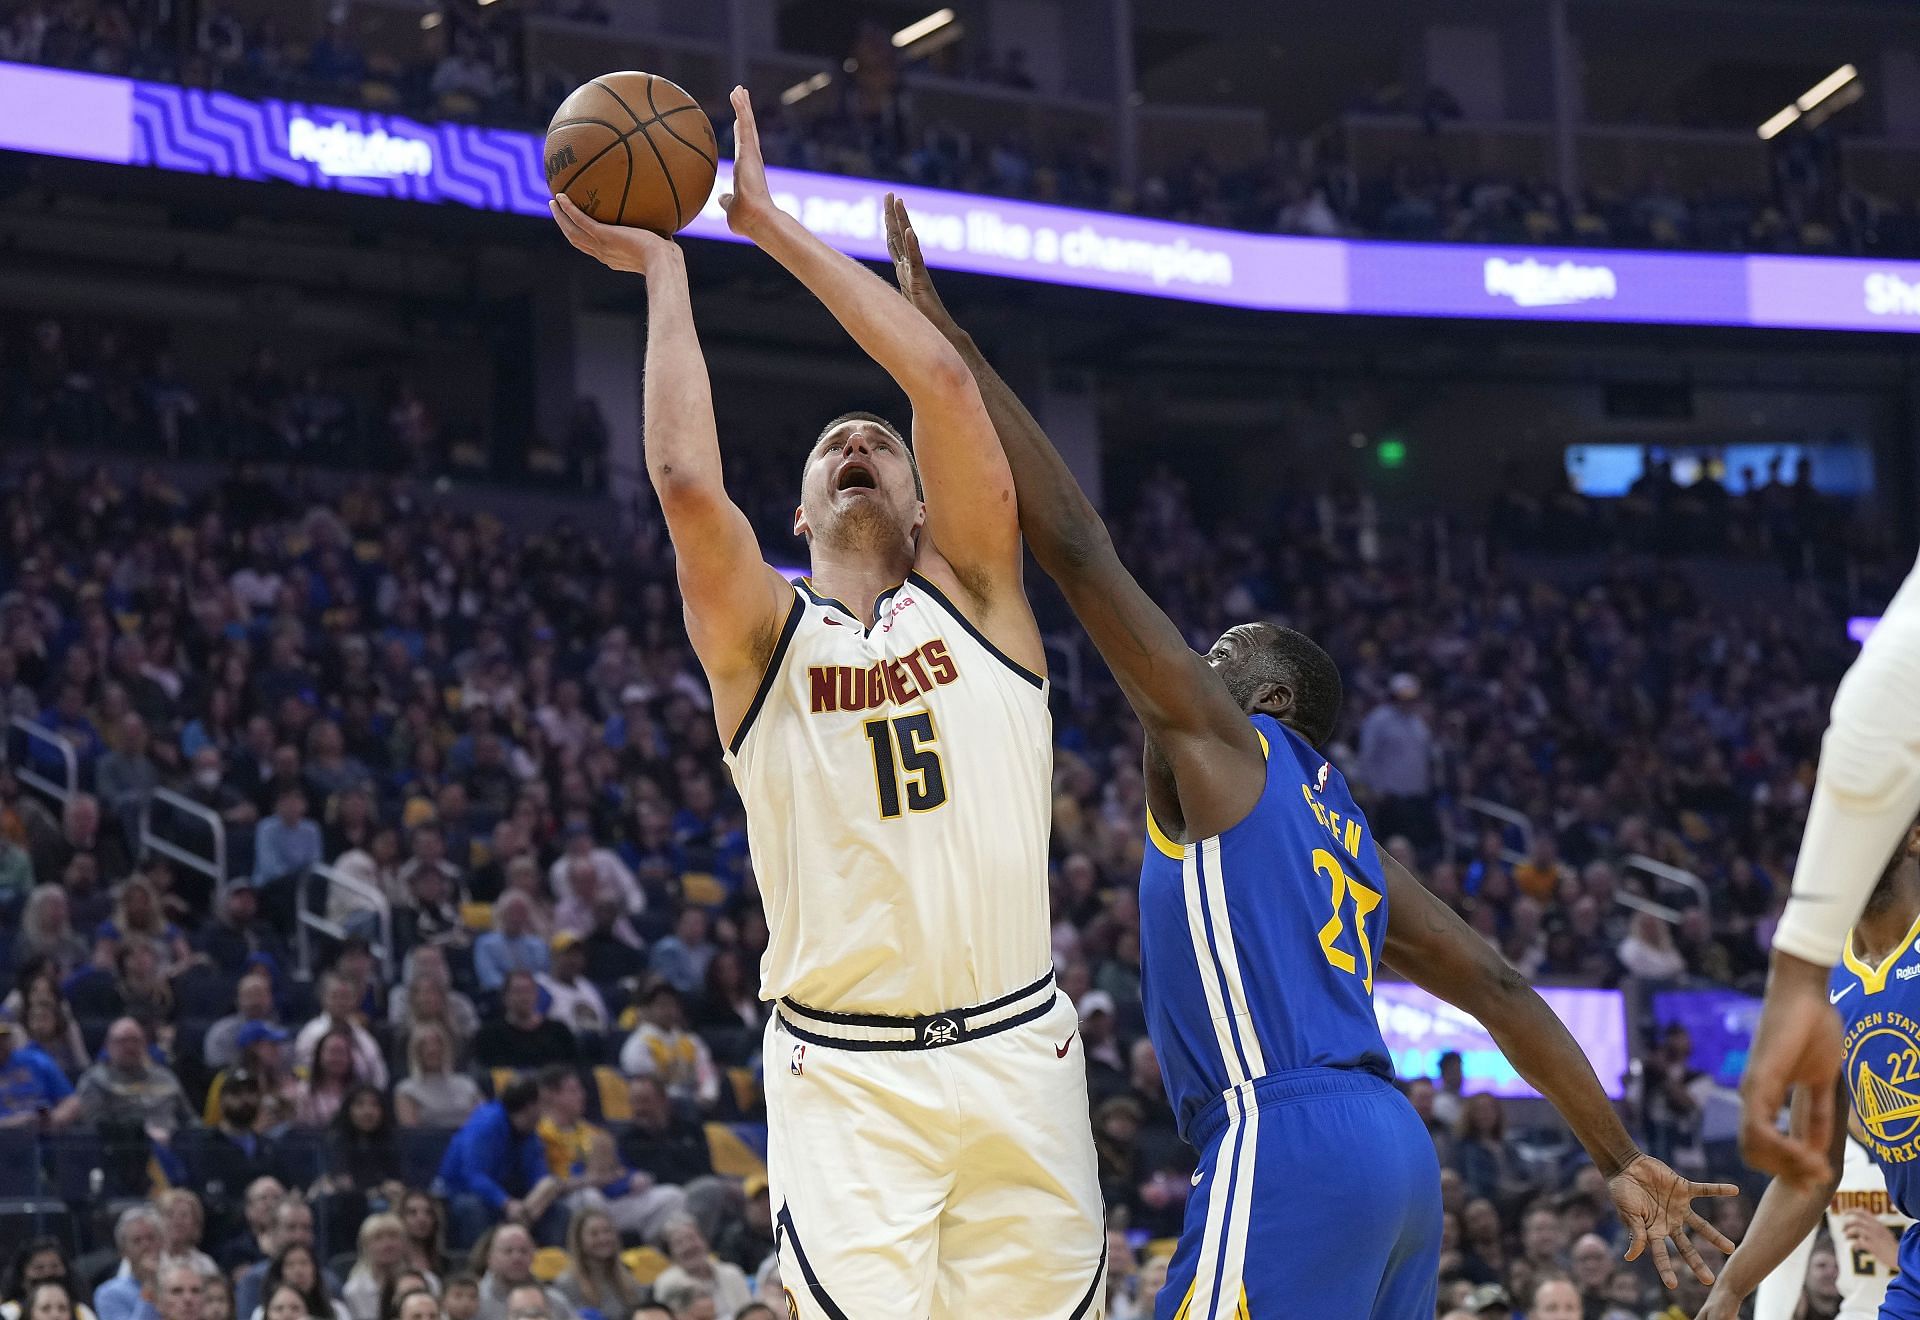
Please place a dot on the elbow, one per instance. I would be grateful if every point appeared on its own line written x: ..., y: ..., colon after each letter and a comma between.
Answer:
x: 947, y: 373
x: 682, y: 487
x: 1500, y: 995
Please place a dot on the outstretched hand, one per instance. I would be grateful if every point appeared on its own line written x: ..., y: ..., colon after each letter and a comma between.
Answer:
x: 1656, y: 1204
x: 750, y: 202
x: 619, y: 247
x: 909, y: 267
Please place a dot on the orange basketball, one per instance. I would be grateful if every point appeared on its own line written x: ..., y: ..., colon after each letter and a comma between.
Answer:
x: 632, y: 149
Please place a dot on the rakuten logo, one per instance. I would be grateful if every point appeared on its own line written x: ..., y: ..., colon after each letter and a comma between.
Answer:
x: 1889, y: 295
x: 1531, y: 283
x: 340, y: 152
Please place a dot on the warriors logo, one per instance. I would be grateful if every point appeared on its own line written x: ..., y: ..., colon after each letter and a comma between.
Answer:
x: 1883, y: 1073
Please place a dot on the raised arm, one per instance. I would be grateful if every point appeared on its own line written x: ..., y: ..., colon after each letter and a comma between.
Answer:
x: 1430, y: 946
x: 1188, y: 713
x: 735, y: 603
x: 1782, y: 1229
x: 970, y: 505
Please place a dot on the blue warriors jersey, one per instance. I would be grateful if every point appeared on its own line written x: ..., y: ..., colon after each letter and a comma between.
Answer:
x: 1258, y: 946
x: 1879, y: 1010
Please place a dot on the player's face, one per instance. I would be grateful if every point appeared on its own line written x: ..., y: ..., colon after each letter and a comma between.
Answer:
x: 858, y: 489
x: 1234, y: 658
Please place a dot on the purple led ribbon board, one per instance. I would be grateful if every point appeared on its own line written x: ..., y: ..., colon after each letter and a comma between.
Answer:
x: 90, y: 117
x: 1419, y: 1028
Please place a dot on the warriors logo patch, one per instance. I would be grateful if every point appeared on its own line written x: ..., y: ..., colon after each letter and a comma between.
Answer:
x: 1883, y: 1077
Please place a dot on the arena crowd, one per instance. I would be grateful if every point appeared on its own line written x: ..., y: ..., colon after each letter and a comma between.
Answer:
x: 502, y: 734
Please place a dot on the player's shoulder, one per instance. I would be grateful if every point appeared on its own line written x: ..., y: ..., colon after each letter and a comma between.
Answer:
x: 994, y: 615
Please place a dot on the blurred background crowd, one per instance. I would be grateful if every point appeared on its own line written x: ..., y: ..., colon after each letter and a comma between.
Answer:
x: 501, y: 742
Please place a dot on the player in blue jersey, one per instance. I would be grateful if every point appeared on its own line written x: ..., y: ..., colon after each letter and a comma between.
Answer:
x: 1876, y: 992
x: 1266, y: 911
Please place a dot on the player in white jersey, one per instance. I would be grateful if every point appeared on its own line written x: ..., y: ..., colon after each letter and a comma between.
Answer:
x: 1865, y: 798
x: 1863, y: 1275
x: 886, y: 723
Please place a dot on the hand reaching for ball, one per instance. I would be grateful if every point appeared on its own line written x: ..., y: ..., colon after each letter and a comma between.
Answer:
x: 618, y: 247
x: 750, y: 202
x: 910, y: 268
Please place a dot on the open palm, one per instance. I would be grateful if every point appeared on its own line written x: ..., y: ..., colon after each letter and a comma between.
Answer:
x: 1656, y: 1205
x: 750, y: 201
x: 909, y: 267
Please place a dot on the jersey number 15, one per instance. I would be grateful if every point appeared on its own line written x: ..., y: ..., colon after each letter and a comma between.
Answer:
x: 906, y: 756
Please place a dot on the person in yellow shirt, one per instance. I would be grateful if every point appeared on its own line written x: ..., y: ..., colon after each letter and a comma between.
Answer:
x: 1538, y: 877
x: 582, y: 1156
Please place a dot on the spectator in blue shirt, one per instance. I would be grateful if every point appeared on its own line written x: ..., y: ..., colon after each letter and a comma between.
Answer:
x: 32, y: 1087
x: 511, y: 946
x: 495, y: 1167
x: 139, y: 1237
x: 286, y: 843
x: 682, y: 957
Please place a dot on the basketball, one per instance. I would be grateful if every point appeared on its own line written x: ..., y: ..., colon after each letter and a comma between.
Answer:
x: 632, y: 149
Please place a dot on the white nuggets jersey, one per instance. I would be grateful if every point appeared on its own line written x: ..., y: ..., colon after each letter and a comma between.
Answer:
x: 1863, y: 1280
x: 898, y: 785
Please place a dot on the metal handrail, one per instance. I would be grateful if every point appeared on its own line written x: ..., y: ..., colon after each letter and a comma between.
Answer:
x: 25, y: 772
x: 1672, y: 875
x: 1639, y: 904
x: 214, y: 867
x: 1506, y: 815
x: 307, y: 921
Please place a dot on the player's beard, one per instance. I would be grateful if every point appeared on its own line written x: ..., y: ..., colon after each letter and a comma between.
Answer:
x: 861, y: 526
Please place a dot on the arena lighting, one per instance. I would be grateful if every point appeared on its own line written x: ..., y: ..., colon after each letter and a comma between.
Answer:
x: 926, y: 27
x: 800, y: 91
x: 1813, y: 97
x: 428, y: 22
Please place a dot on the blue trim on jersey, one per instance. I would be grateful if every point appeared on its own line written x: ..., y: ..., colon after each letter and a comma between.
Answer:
x: 1196, y: 853
x: 827, y: 1304
x: 767, y: 676
x: 959, y: 617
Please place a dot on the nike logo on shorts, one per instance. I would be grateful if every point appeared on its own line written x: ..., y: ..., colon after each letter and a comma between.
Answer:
x: 1060, y: 1051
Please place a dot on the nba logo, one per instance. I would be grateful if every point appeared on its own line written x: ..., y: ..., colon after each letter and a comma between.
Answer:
x: 1320, y: 780
x: 798, y: 1064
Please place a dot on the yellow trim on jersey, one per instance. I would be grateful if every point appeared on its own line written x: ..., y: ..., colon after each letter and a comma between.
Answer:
x: 1166, y: 845
x: 1161, y: 841
x: 1874, y: 979
x: 1240, y: 1311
